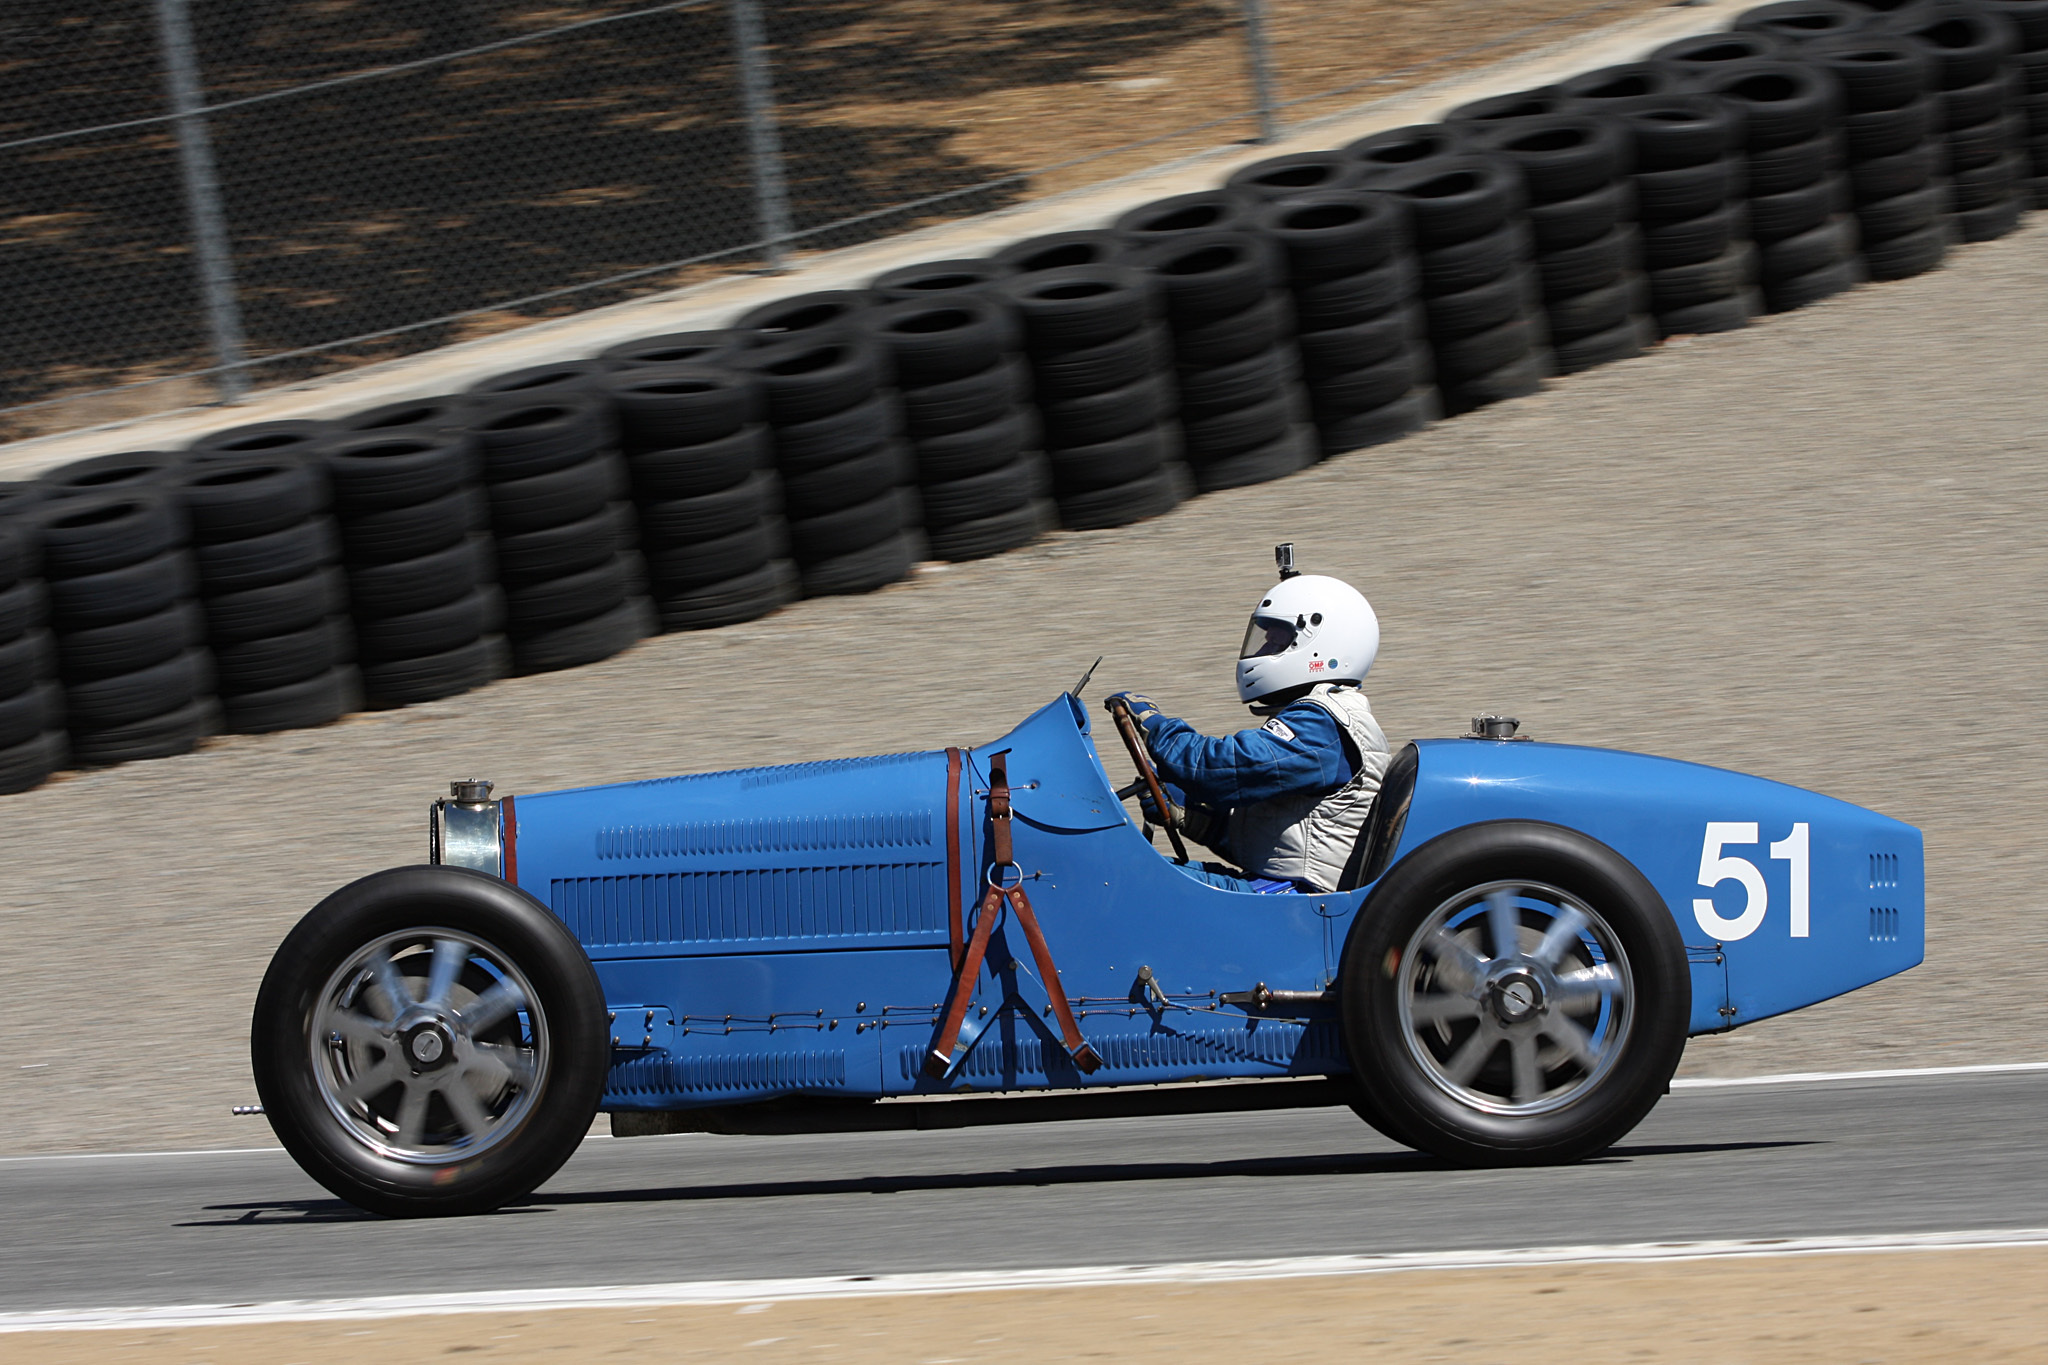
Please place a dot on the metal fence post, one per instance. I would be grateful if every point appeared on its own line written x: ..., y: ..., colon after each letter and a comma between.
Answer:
x: 764, y: 141
x: 1260, y: 54
x: 202, y: 198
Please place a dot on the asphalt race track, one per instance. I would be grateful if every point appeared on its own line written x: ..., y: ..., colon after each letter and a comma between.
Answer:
x: 1920, y: 1154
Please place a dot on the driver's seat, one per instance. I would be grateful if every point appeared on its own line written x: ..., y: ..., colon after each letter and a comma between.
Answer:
x: 1376, y: 842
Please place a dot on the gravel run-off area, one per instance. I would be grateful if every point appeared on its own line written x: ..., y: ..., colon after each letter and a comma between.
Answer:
x: 1812, y: 550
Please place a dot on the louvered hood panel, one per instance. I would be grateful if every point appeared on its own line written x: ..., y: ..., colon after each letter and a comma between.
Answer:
x: 847, y: 853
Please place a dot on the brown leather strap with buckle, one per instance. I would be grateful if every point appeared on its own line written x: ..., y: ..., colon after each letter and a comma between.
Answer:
x: 968, y: 968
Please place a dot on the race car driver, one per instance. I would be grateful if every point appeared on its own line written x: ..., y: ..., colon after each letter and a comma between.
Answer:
x: 1285, y: 801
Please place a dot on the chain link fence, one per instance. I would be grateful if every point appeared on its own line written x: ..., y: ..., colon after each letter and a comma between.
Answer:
x: 198, y: 197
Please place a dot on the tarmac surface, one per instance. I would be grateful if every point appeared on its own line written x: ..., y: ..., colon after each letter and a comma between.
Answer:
x: 1811, y: 550
x: 1867, y: 1156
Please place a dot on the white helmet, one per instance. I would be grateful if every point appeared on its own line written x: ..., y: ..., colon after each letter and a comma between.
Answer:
x: 1308, y: 629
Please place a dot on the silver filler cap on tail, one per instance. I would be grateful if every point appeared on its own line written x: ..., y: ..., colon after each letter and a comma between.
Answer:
x: 1494, y: 727
x: 466, y: 829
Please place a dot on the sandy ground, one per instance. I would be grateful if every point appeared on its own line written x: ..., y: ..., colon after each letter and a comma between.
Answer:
x: 1975, y: 1307
x: 1811, y: 550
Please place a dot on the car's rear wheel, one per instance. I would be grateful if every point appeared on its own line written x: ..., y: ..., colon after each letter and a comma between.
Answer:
x: 430, y: 1040
x: 1514, y: 993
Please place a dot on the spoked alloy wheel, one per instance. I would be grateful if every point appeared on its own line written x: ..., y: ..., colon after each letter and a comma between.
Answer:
x: 430, y: 1040
x: 1514, y: 992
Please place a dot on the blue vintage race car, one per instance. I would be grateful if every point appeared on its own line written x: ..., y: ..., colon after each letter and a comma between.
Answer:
x: 1526, y: 935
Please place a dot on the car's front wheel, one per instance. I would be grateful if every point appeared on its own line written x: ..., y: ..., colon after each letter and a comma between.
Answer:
x: 1514, y: 993
x: 430, y: 1040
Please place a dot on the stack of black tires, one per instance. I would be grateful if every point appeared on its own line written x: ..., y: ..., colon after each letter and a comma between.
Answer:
x: 1893, y: 158
x: 275, y: 608
x: 1365, y: 363
x: 964, y: 275
x: 563, y: 539
x: 703, y: 478
x: 1102, y: 367
x: 32, y: 740
x: 1689, y: 181
x: 138, y: 680
x: 1575, y: 176
x: 2030, y: 84
x: 965, y: 394
x: 1480, y: 297
x: 833, y: 422
x: 1243, y: 412
x: 418, y: 560
x: 1790, y: 111
x: 1981, y: 127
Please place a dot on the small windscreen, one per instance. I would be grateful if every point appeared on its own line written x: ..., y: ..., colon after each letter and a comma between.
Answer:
x: 1266, y: 635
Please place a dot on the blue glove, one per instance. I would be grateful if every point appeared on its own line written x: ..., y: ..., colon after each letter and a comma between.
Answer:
x: 1143, y: 708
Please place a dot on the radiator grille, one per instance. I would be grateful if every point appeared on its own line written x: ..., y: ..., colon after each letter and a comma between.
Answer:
x: 862, y: 902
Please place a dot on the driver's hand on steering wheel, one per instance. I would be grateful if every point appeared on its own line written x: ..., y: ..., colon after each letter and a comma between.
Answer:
x: 1143, y: 708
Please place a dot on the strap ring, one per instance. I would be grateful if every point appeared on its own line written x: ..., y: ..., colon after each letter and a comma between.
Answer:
x: 994, y: 876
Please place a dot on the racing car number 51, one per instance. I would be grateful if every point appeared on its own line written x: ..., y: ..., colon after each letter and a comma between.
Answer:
x: 1716, y: 868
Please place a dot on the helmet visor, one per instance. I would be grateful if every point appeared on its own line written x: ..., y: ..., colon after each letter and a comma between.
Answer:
x: 1265, y: 636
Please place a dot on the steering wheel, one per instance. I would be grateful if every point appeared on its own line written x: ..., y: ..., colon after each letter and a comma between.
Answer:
x: 1147, y: 774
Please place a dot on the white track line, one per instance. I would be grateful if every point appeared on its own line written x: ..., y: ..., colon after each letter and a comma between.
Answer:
x: 713, y: 1292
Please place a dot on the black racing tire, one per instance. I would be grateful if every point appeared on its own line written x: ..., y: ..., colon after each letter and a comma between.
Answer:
x: 962, y: 454
x: 1622, y: 342
x: 992, y: 494
x: 1266, y: 323
x: 1349, y: 299
x: 1834, y: 240
x: 2033, y: 71
x: 1781, y: 101
x: 1804, y: 21
x: 252, y: 496
x: 295, y: 706
x: 1901, y: 214
x: 556, y: 377
x: 1876, y: 70
x: 1077, y: 307
x: 1225, y: 388
x: 23, y: 607
x: 1231, y: 433
x: 1674, y: 130
x: 1969, y: 149
x: 1688, y: 191
x: 680, y: 520
x: 105, y: 703
x: 1360, y: 430
x: 430, y: 677
x: 2028, y: 17
x: 1881, y: 177
x: 443, y: 412
x: 1687, y: 285
x: 805, y: 380
x: 1517, y: 379
x: 674, y: 348
x: 265, y: 438
x: 30, y: 712
x: 1790, y: 167
x: 98, y: 533
x: 1984, y: 185
x: 585, y: 642
x: 26, y: 766
x: 1058, y: 250
x: 1483, y: 353
x: 804, y: 446
x: 1967, y: 43
x: 746, y: 597
x: 20, y: 555
x: 1454, y: 199
x: 1484, y: 306
x: 520, y: 440
x: 1887, y: 132
x: 963, y: 275
x: 410, y: 903
x: 1728, y: 314
x: 121, y: 594
x: 569, y: 548
x: 413, y: 584
x: 436, y: 630
x: 379, y: 471
x: 1111, y: 365
x: 398, y: 532
x: 237, y: 565
x: 970, y: 401
x: 1219, y: 210
x: 276, y: 609
x: 1401, y: 149
x: 1562, y: 156
x: 1388, y: 962
x: 128, y: 472
x: 1512, y: 107
x: 1150, y: 495
x: 1777, y: 216
x: 1899, y: 258
x: 535, y: 503
x: 1335, y: 350
x: 1476, y: 260
x: 983, y: 537
x: 661, y: 407
x: 1595, y: 265
x: 1206, y: 275
x: 163, y: 735
x: 1797, y: 291
x: 122, y: 647
x: 693, y: 470
x: 1990, y: 222
x: 1080, y: 469
x: 27, y: 660
x: 1974, y: 106
x: 1295, y: 174
x: 933, y: 340
x: 2034, y: 192
x: 1704, y: 53
x: 839, y: 485
x: 1371, y: 386
x: 1290, y: 453
x: 280, y: 660
x: 1689, y: 241
x: 1330, y: 233
x: 1103, y: 416
x: 864, y: 570
x: 1596, y: 310
x: 849, y: 529
x: 820, y: 315
x: 558, y: 602
x: 1610, y: 88
x: 1574, y: 222
x: 681, y: 568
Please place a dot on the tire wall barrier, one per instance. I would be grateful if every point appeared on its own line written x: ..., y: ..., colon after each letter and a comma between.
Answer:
x: 280, y: 575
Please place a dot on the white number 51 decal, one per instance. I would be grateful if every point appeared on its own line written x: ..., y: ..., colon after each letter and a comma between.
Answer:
x: 1716, y: 868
